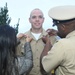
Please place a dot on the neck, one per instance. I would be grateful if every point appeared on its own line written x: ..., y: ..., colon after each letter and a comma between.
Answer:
x: 36, y: 30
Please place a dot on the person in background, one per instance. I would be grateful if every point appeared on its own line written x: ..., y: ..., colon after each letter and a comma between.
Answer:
x: 61, y: 56
x: 10, y: 64
x: 36, y: 32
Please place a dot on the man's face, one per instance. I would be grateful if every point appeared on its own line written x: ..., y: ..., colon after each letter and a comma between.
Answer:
x: 61, y: 31
x: 36, y: 19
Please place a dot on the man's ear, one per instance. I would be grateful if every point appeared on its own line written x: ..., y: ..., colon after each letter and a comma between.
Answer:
x: 29, y: 20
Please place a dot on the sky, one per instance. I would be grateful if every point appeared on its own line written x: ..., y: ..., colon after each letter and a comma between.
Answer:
x: 22, y: 8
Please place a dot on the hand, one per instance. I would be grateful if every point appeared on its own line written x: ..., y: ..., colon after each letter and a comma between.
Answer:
x: 45, y: 39
x: 19, y: 36
x: 28, y: 38
x: 52, y: 32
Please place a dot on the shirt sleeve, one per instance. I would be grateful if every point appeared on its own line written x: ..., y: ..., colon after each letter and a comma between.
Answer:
x: 25, y: 62
x: 54, y: 57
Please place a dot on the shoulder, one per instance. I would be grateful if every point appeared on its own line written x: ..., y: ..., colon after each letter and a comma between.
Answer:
x: 62, y: 43
x: 23, y: 38
x: 27, y: 32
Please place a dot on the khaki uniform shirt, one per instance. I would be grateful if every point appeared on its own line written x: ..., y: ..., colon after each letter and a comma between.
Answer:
x: 37, y: 48
x: 61, y: 56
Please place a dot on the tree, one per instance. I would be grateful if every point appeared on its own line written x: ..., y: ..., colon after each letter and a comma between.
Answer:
x: 16, y: 27
x: 4, y: 18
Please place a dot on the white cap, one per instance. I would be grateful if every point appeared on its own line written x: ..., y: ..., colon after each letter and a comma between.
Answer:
x: 61, y: 13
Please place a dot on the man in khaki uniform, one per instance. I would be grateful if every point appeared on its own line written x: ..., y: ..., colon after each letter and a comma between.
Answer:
x: 61, y: 56
x: 36, y: 32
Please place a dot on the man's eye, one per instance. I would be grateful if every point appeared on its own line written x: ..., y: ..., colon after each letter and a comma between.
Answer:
x: 33, y: 17
x: 40, y: 16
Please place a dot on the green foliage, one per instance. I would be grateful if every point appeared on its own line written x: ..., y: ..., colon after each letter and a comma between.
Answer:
x: 17, y: 25
x: 4, y: 18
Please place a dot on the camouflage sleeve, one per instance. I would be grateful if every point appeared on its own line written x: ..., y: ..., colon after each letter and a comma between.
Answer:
x: 25, y: 62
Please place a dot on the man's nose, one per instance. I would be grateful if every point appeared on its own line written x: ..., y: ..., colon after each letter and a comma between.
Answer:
x: 37, y: 18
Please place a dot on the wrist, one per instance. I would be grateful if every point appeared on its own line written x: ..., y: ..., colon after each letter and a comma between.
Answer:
x: 48, y: 43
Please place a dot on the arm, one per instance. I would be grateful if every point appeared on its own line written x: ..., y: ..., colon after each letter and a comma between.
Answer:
x: 25, y: 62
x: 47, y: 47
x: 54, y: 58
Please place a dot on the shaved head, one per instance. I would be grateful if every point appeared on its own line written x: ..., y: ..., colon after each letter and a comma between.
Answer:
x: 36, y: 9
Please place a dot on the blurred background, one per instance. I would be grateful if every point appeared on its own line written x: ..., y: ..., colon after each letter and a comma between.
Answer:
x: 19, y: 11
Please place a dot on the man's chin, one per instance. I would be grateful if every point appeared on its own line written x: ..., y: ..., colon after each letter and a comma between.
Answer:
x: 61, y: 36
